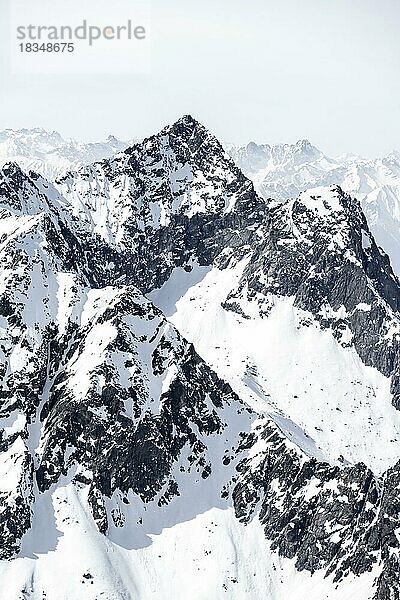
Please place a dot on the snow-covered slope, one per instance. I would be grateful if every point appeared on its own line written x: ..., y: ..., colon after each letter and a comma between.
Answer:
x: 200, y: 388
x: 283, y: 171
x: 317, y: 391
x: 100, y: 396
x: 310, y: 314
x: 50, y: 154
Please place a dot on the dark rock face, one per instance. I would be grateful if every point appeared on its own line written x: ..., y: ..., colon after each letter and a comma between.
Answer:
x: 126, y: 438
x: 115, y: 397
x: 341, y: 520
x: 318, y: 249
x: 175, y: 197
x: 16, y: 499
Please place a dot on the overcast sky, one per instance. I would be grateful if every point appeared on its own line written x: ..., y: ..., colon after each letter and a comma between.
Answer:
x: 262, y: 70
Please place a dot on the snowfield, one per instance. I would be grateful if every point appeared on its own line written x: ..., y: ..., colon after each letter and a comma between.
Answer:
x: 300, y: 376
x: 210, y: 556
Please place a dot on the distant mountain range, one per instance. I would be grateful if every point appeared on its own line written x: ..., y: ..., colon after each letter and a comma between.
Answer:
x: 279, y: 171
x: 50, y: 154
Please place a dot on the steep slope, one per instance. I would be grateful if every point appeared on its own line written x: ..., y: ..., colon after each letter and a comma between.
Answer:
x: 182, y: 171
x: 290, y: 326
x: 283, y: 171
x: 108, y: 417
x: 305, y: 321
x: 341, y: 521
x: 174, y: 198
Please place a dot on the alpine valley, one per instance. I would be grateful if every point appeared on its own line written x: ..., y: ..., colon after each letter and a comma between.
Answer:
x: 200, y: 373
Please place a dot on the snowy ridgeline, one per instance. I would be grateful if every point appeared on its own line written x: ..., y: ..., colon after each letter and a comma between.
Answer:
x: 278, y: 171
x: 200, y: 386
x: 284, y: 170
x: 49, y: 154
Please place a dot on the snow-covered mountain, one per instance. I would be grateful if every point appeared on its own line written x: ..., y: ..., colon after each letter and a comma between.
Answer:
x: 283, y: 171
x: 200, y: 387
x: 279, y: 171
x: 49, y: 153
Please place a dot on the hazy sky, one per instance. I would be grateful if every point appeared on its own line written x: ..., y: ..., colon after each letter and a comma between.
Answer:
x: 262, y: 70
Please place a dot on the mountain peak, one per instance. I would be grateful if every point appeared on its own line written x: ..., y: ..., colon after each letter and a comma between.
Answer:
x: 304, y: 144
x: 187, y: 121
x: 328, y: 199
x: 111, y: 139
x: 11, y: 168
x: 306, y: 148
x: 187, y: 128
